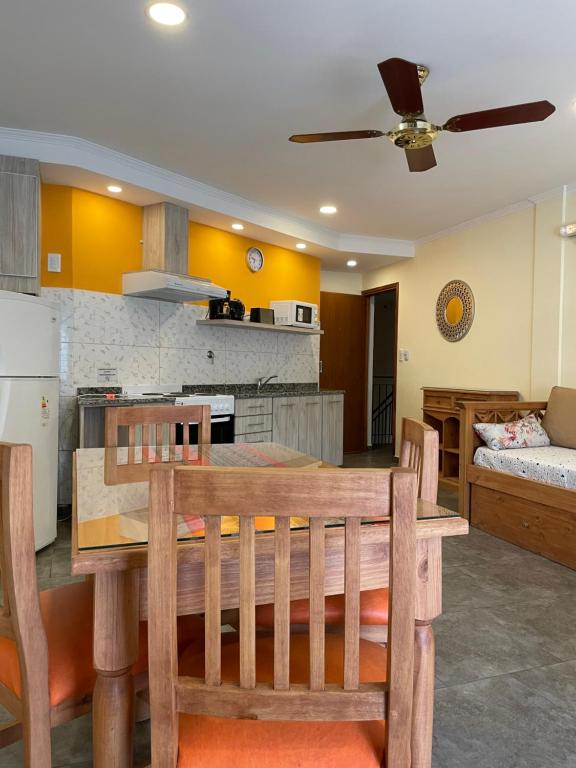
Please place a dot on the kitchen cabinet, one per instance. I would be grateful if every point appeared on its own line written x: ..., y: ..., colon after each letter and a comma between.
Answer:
x: 19, y: 215
x: 332, y: 428
x: 285, y: 421
x: 310, y: 425
x: 253, y: 420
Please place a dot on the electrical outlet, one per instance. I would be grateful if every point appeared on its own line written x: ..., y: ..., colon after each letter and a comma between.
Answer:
x: 406, y: 355
x: 54, y: 262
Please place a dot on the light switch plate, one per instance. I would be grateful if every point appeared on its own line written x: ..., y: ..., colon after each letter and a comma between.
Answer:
x: 54, y: 262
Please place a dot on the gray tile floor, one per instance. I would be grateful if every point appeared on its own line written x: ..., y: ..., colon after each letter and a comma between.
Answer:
x: 506, y: 657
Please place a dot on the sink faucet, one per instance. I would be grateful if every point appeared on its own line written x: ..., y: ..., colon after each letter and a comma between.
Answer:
x: 261, y: 382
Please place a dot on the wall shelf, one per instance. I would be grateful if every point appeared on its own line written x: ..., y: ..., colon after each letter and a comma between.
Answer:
x: 260, y: 327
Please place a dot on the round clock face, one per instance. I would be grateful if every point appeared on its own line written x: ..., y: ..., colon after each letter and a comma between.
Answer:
x: 255, y: 259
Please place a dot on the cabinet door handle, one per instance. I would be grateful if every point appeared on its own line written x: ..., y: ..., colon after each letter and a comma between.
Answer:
x: 310, y: 405
x: 257, y: 424
x: 287, y: 405
x: 255, y: 407
x: 333, y: 402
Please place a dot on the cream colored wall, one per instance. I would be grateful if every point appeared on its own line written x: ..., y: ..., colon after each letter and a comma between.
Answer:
x: 496, y: 259
x: 341, y: 282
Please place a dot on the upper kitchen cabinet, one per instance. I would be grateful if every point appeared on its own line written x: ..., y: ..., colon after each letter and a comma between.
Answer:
x: 19, y: 214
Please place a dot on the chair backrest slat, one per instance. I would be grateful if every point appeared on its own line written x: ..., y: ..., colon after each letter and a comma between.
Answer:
x: 282, y: 604
x: 419, y: 451
x: 155, y: 423
x: 352, y: 604
x: 212, y: 575
x: 317, y: 604
x: 247, y: 604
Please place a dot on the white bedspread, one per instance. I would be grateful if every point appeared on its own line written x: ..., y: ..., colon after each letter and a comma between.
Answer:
x: 552, y: 465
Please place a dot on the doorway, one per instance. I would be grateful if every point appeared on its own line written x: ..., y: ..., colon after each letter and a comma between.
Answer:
x: 382, y: 366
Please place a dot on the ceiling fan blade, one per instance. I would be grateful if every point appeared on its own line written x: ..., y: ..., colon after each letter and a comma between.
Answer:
x: 494, y: 118
x: 403, y: 86
x: 310, y: 138
x: 420, y: 159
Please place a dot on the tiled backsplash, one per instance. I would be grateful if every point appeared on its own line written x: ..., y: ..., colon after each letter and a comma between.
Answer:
x: 153, y: 342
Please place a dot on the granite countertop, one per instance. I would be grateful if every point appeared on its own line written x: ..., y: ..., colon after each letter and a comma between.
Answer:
x: 95, y: 396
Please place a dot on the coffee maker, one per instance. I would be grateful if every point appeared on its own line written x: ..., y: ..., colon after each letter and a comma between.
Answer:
x: 225, y: 309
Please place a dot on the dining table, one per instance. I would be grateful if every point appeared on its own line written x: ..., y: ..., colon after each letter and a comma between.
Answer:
x: 109, y: 543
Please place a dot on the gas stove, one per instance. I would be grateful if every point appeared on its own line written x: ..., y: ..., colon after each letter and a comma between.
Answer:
x: 221, y: 405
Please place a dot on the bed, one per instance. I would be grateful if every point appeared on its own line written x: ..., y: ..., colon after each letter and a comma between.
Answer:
x: 526, y: 496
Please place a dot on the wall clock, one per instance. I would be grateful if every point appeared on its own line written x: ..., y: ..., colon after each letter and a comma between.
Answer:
x: 254, y: 259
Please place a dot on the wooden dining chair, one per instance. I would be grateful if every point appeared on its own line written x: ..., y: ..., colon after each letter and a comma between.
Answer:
x: 46, y: 674
x: 418, y: 451
x: 151, y: 438
x: 289, y: 700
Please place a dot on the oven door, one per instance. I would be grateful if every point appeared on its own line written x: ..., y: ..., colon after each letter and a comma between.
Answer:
x: 222, y: 431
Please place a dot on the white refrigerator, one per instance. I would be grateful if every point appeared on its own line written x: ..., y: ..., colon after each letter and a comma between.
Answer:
x: 29, y: 393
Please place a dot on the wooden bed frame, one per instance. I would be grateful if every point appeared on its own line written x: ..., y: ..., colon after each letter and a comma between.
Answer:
x: 533, y: 515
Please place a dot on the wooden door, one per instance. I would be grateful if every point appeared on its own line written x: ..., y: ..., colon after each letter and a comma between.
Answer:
x: 310, y: 425
x: 332, y: 424
x: 285, y: 421
x: 344, y: 362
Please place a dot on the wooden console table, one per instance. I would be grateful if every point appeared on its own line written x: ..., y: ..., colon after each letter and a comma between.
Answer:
x: 440, y: 408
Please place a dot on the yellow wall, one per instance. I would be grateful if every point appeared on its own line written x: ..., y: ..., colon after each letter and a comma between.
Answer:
x: 496, y: 259
x: 106, y: 236
x: 221, y: 256
x: 56, y: 234
x: 99, y: 239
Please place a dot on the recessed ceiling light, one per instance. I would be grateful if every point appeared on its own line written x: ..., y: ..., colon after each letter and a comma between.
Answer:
x: 239, y: 227
x: 352, y: 263
x: 328, y: 209
x: 168, y: 14
x: 301, y: 246
x: 114, y: 188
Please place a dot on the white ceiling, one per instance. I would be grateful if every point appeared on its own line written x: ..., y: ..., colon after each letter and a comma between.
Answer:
x: 217, y: 99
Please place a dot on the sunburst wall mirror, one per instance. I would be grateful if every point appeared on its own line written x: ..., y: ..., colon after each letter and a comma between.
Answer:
x: 455, y: 310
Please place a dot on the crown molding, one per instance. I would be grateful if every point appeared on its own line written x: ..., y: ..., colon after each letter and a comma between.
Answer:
x: 73, y: 151
x: 491, y: 216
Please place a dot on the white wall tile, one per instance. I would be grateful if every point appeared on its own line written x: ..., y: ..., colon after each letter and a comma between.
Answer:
x: 242, y: 339
x: 295, y: 344
x: 297, y: 368
x: 178, y: 328
x: 135, y: 365
x: 191, y: 366
x: 247, y: 367
x: 104, y: 318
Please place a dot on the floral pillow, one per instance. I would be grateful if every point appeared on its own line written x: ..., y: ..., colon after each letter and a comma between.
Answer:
x: 525, y: 433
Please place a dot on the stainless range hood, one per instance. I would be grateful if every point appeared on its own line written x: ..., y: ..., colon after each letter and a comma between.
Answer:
x: 165, y: 286
x: 165, y: 260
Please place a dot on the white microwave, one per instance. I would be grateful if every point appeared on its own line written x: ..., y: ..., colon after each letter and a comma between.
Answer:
x: 298, y: 313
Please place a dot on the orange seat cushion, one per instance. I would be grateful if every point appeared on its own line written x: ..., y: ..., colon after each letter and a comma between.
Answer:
x: 214, y: 742
x: 67, y: 615
x: 373, y: 610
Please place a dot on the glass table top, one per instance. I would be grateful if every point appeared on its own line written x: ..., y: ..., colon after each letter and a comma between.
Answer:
x: 108, y: 516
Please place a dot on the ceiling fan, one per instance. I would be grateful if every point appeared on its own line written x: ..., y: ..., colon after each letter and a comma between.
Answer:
x: 415, y: 133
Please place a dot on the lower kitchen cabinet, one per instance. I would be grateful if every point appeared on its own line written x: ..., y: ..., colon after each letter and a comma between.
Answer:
x: 332, y: 428
x: 254, y: 437
x: 310, y: 425
x: 285, y: 421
